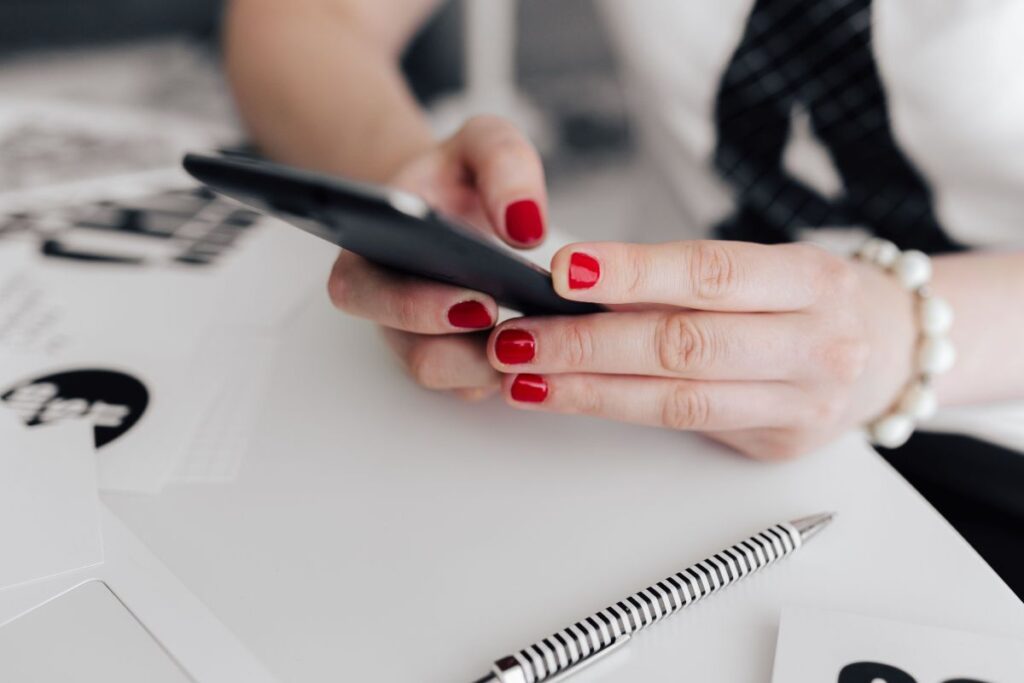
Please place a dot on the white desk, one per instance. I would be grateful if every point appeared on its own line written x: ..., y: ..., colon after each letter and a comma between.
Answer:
x: 381, y: 533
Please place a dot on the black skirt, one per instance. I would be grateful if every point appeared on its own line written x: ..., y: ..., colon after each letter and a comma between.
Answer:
x: 978, y: 487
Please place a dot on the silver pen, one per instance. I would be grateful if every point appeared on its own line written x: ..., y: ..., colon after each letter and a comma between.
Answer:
x: 564, y: 653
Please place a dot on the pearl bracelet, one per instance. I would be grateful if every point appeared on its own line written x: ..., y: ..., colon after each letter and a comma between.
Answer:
x: 935, y: 353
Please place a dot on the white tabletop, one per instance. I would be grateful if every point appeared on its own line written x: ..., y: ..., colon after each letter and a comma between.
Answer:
x: 381, y: 532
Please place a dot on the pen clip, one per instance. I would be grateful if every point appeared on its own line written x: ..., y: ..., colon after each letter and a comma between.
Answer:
x: 590, y: 659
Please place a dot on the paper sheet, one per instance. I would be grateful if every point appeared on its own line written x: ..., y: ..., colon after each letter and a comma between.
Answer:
x: 177, y: 618
x: 817, y: 646
x: 49, y: 507
x: 136, y: 285
x: 242, y: 358
x: 85, y: 634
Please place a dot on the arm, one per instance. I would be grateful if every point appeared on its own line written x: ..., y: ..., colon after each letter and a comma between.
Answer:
x: 318, y: 83
x: 986, y: 291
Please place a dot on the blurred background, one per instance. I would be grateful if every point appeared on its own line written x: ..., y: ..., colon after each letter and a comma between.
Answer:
x: 164, y: 57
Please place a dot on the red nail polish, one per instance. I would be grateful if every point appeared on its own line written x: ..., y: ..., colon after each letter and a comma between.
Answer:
x: 469, y: 314
x: 584, y: 271
x: 515, y: 346
x: 529, y: 388
x: 523, y: 221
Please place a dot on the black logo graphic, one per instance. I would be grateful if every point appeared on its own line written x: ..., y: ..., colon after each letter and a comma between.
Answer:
x: 872, y: 672
x: 111, y: 400
x: 181, y: 227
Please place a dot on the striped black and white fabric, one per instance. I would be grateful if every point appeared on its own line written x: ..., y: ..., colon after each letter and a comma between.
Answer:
x: 816, y: 55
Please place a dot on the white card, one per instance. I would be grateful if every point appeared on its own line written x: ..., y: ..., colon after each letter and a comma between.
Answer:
x: 85, y: 634
x: 243, y: 359
x: 144, y: 406
x: 49, y: 506
x: 817, y: 646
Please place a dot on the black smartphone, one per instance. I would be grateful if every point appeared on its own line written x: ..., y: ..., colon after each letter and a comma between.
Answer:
x: 389, y: 227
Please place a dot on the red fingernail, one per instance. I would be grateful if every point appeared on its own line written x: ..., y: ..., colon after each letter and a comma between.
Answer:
x: 529, y: 388
x: 515, y: 346
x: 469, y: 314
x: 523, y: 221
x: 584, y: 271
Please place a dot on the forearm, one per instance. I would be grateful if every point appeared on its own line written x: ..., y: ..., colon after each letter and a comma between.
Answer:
x: 317, y: 86
x: 986, y: 291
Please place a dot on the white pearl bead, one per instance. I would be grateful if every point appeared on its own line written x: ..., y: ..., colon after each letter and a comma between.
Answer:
x: 936, y: 355
x: 878, y: 251
x: 919, y: 402
x: 936, y: 316
x: 913, y: 268
x: 892, y: 431
x: 887, y: 254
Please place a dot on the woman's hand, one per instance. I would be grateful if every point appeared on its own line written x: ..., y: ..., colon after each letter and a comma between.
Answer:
x: 772, y: 350
x: 490, y: 176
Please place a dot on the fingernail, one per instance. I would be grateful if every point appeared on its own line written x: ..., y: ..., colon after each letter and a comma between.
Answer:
x: 515, y: 346
x: 523, y: 221
x: 584, y: 271
x: 469, y: 314
x: 529, y: 388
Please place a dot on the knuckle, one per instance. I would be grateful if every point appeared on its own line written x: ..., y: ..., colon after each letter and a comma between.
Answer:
x: 425, y: 361
x: 826, y: 409
x: 836, y: 276
x: 831, y: 408
x: 638, y: 269
x: 685, y: 408
x: 683, y: 344
x: 578, y: 345
x: 714, y: 270
x: 423, y: 365
x: 507, y: 151
x: 586, y: 399
x: 507, y: 145
x: 844, y: 359
x: 406, y: 312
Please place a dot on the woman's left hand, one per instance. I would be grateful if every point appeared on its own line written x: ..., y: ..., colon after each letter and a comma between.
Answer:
x: 772, y: 350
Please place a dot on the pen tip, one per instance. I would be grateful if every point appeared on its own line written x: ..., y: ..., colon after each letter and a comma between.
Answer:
x: 809, y: 526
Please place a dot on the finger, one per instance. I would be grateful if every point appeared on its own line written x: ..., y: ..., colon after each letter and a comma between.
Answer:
x: 671, y: 403
x: 445, y: 362
x: 703, y: 274
x: 508, y: 175
x: 403, y: 302
x: 687, y: 344
x: 477, y: 394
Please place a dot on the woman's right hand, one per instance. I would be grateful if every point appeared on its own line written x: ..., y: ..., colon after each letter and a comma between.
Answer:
x: 490, y: 176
